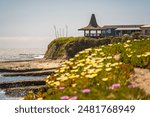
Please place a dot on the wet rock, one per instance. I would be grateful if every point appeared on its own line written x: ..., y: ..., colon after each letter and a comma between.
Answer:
x: 22, y: 91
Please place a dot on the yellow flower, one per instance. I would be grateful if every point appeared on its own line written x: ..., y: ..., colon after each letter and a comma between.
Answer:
x: 108, y: 69
x: 72, y: 76
x: 83, y: 74
x: 90, y: 71
x: 129, y: 55
x: 109, y: 57
x: 128, y: 41
x: 108, y: 64
x: 98, y: 70
x: 57, y: 83
x: 48, y: 77
x: 81, y: 52
x: 138, y: 56
x: 109, y: 44
x: 100, y: 65
x: 51, y: 83
x: 56, y: 71
x: 80, y: 65
x: 62, y: 78
x: 72, y: 59
x: 40, y: 98
x: 91, y: 76
x: 114, y: 64
x: 74, y: 85
x: 74, y: 71
x: 77, y: 55
x: 126, y: 45
x: 104, y: 79
x: 100, y: 49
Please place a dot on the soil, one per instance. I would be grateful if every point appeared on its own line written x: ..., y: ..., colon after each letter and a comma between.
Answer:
x: 141, y: 79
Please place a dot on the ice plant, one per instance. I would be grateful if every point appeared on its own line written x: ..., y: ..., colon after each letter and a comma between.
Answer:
x: 73, y: 98
x: 61, y: 88
x: 114, y: 86
x: 64, y: 97
x: 104, y: 79
x: 85, y: 90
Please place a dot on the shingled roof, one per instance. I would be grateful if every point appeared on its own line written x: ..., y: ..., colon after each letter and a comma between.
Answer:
x: 92, y: 25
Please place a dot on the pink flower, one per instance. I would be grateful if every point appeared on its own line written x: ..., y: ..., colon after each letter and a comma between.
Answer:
x: 61, y: 88
x: 115, y: 86
x: 73, y: 98
x: 85, y: 90
x: 64, y: 97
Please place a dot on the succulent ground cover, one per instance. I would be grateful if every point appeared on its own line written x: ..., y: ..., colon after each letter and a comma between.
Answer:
x: 99, y: 73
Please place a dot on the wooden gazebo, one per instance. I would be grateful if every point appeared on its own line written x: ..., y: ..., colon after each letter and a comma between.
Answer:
x: 93, y: 29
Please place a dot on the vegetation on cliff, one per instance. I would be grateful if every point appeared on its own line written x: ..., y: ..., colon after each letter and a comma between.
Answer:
x: 67, y: 47
x: 99, y: 73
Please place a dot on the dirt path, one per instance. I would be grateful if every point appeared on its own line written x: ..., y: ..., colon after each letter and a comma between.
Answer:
x: 141, y: 79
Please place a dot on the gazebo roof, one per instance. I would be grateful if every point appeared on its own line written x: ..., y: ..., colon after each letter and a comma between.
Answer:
x: 92, y: 25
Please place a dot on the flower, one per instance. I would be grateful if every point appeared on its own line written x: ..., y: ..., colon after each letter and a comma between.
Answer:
x: 128, y: 41
x: 74, y: 85
x: 61, y: 88
x: 117, y: 85
x: 108, y: 69
x: 40, y: 98
x: 85, y: 90
x: 91, y: 76
x: 57, y: 83
x: 104, y: 79
x: 73, y: 98
x: 129, y: 55
x: 64, y: 97
x: 138, y: 56
x: 109, y: 57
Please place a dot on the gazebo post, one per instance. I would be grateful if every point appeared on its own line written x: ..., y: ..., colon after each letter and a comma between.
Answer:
x: 89, y: 33
x: 85, y: 33
x: 96, y: 34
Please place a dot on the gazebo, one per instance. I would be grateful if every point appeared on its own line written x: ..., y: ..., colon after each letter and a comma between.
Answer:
x: 93, y: 29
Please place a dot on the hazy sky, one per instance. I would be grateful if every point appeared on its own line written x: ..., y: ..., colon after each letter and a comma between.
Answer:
x: 29, y: 23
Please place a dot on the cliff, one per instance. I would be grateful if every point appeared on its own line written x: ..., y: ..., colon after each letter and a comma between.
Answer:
x: 67, y: 47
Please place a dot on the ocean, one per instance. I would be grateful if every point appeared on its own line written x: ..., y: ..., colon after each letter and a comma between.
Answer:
x: 21, y: 54
x: 17, y: 55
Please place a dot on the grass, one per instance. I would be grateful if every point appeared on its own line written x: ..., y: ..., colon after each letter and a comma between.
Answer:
x: 99, y: 73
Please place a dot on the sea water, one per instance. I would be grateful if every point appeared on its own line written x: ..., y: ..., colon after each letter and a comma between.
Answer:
x: 11, y: 54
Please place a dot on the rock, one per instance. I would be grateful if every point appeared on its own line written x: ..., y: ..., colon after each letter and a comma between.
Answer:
x: 22, y: 91
x: 22, y: 83
x: 33, y: 73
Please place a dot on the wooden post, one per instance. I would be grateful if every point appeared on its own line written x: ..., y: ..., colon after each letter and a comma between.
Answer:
x: 89, y: 33
x: 96, y: 34
x: 85, y: 33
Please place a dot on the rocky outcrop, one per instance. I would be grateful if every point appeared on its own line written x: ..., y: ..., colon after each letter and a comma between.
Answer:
x: 31, y: 73
x: 21, y: 88
x: 22, y: 91
x: 38, y: 82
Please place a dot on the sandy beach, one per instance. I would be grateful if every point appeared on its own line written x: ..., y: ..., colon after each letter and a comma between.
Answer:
x: 28, y: 65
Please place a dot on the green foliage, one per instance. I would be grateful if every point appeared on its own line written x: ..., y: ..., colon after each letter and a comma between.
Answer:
x: 99, y: 73
x: 69, y: 46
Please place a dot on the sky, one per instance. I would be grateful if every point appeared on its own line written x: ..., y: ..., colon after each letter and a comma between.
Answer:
x: 30, y: 23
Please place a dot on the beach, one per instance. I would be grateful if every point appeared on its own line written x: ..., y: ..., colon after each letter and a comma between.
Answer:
x: 19, y: 77
x: 23, y: 70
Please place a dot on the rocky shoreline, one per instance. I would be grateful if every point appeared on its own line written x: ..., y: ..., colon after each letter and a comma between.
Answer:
x: 26, y: 68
